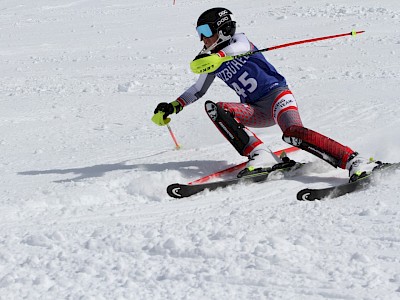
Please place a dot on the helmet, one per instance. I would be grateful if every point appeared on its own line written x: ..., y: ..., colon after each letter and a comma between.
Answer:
x: 216, y: 20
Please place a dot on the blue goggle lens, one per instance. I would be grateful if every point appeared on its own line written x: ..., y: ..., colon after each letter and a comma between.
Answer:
x: 204, y: 30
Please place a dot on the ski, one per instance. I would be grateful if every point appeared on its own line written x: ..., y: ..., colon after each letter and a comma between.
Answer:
x: 349, y: 187
x: 280, y: 153
x: 178, y: 190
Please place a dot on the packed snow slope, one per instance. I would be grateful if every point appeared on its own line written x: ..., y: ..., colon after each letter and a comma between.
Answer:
x: 84, y: 209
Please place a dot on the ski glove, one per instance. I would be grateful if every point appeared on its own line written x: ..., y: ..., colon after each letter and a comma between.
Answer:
x: 163, y: 110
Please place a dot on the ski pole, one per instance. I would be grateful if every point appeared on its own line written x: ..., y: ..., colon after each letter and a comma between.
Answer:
x: 177, y: 146
x: 209, y: 63
x: 353, y: 33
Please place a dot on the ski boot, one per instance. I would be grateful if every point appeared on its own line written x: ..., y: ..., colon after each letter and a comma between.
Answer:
x: 360, y: 167
x: 263, y: 161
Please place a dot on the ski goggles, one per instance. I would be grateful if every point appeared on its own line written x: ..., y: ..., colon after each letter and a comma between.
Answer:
x: 204, y: 31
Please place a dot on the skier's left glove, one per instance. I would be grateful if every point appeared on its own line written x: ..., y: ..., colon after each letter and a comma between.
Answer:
x: 163, y: 110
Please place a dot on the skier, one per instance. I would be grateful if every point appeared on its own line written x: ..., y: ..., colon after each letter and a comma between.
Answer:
x: 265, y: 100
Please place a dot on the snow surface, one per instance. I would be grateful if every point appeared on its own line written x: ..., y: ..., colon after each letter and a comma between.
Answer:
x: 84, y: 212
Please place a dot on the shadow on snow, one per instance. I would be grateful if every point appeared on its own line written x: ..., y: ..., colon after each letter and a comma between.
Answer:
x: 188, y: 169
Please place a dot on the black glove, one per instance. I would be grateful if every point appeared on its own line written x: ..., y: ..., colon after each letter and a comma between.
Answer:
x: 166, y: 108
x: 163, y: 110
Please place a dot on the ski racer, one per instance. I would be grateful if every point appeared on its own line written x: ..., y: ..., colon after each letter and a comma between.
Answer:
x: 265, y: 100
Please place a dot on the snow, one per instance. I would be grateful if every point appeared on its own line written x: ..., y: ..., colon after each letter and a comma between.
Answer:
x: 83, y: 175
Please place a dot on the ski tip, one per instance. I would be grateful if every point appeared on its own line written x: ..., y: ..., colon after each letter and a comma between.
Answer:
x: 304, y: 195
x: 174, y: 190
x: 313, y: 194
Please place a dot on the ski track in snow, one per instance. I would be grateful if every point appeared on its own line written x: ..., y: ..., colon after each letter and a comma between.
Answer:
x: 85, y: 214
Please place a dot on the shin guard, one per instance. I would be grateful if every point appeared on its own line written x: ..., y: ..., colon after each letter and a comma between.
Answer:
x: 233, y: 131
x: 321, y: 146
